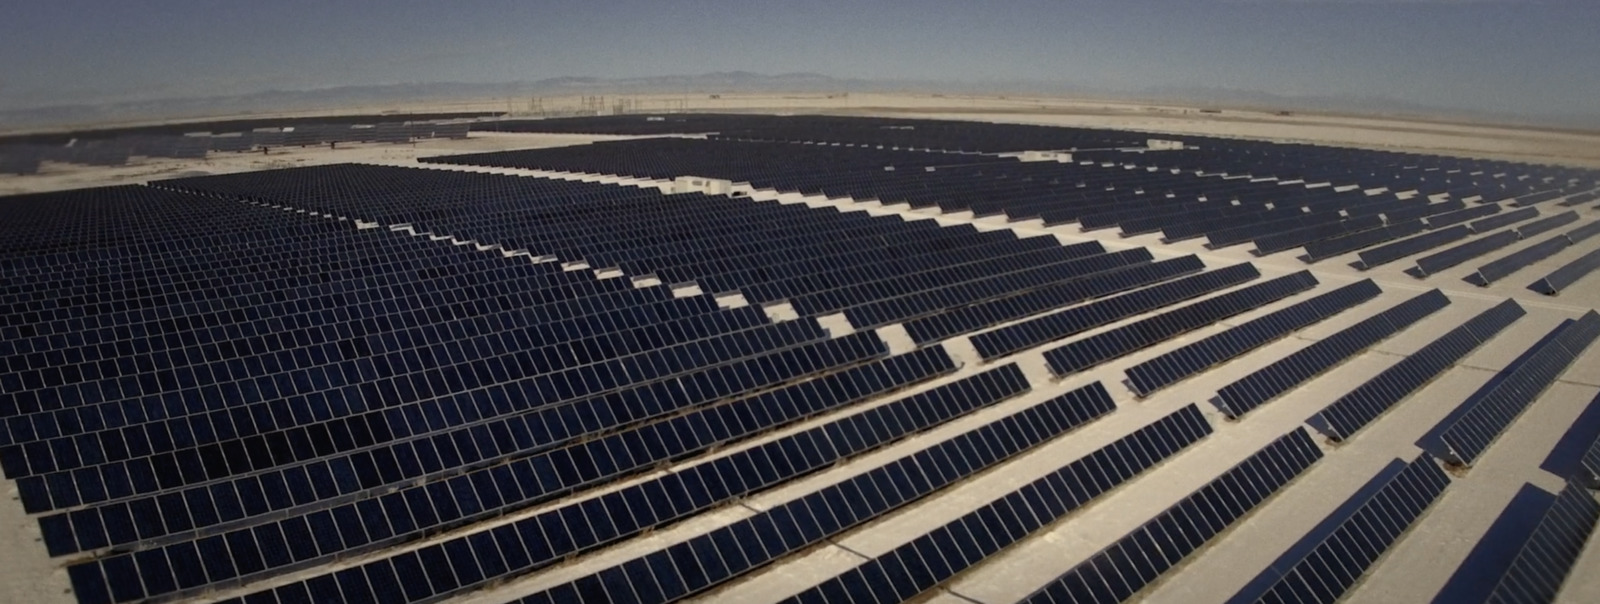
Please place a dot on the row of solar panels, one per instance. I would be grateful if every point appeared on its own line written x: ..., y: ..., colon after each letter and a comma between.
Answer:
x: 941, y: 135
x: 1397, y: 171
x: 312, y: 325
x: 1324, y: 221
x: 26, y: 159
x: 453, y: 560
x: 181, y: 441
x: 1387, y: 505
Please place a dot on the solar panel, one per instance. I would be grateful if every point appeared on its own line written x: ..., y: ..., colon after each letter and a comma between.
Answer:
x: 1385, y: 254
x: 1550, y: 552
x: 1359, y: 407
x: 1338, y: 551
x: 681, y: 494
x: 1515, y: 261
x: 1584, y: 232
x: 1088, y: 352
x: 1434, y: 263
x: 1172, y: 367
x: 260, y: 390
x: 19, y: 165
x: 747, y: 544
x: 1283, y: 375
x: 1591, y: 464
x: 1529, y: 550
x: 1546, y: 224
x: 1567, y: 275
x: 1462, y: 437
x: 1144, y: 554
x: 1580, y: 199
x: 967, y: 541
x: 926, y: 300
x: 1328, y: 248
x: 967, y: 319
x: 1013, y: 338
x: 1494, y: 222
x: 1459, y: 216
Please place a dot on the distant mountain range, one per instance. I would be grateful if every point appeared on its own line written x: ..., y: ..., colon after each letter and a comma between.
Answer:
x: 368, y: 96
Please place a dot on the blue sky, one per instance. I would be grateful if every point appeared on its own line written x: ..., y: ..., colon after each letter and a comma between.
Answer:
x: 1508, y: 56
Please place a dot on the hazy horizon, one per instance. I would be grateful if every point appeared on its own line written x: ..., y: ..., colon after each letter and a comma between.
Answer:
x: 1508, y: 57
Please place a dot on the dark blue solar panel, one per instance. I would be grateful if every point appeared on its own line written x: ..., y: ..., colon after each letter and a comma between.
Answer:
x: 1528, y: 551
x: 1149, y: 376
x: 916, y: 566
x: 1320, y: 568
x: 669, y: 498
x: 1547, y: 224
x: 1432, y: 264
x: 867, y: 496
x: 1567, y: 275
x: 1099, y: 348
x: 1550, y: 551
x: 1021, y: 336
x: 1494, y: 222
x: 1515, y: 261
x: 1359, y: 407
x: 1391, y: 252
x: 1285, y: 374
x: 1328, y: 248
x: 967, y: 319
x: 1459, y: 216
x: 1162, y: 543
x: 1463, y: 436
x: 1580, y: 199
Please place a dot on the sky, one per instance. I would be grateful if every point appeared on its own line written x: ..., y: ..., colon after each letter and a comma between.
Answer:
x: 1513, y: 57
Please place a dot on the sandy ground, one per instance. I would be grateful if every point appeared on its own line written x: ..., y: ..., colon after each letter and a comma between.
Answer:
x: 1416, y: 566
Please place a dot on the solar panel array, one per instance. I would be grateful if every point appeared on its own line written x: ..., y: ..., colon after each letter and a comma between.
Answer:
x: 1021, y: 336
x: 1124, y: 569
x: 115, y: 148
x: 1088, y: 352
x: 1335, y: 554
x: 367, y: 383
x: 1136, y: 192
x: 922, y: 134
x: 549, y: 537
x: 1516, y: 261
x: 687, y: 568
x: 1256, y: 389
x: 1462, y: 437
x: 1366, y: 402
x: 936, y: 556
x: 1529, y: 550
x: 395, y: 368
x: 1191, y: 359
